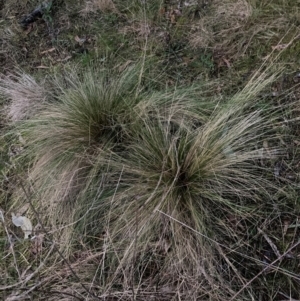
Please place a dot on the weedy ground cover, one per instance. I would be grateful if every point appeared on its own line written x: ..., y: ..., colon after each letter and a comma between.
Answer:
x: 154, y: 146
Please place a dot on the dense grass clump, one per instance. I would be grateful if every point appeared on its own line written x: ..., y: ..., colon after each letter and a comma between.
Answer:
x: 158, y: 182
x: 152, y: 155
x: 82, y: 121
x: 167, y: 200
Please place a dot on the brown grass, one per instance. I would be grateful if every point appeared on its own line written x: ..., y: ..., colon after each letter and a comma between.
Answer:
x: 233, y: 27
x: 24, y: 94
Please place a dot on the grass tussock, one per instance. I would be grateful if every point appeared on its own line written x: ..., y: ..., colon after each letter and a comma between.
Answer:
x: 172, y: 195
x: 174, y: 179
x: 83, y: 121
x: 152, y: 180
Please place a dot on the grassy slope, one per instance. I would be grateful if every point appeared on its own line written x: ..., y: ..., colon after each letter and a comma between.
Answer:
x: 222, y: 43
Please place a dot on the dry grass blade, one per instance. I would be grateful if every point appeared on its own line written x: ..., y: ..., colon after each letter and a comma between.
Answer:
x: 263, y: 270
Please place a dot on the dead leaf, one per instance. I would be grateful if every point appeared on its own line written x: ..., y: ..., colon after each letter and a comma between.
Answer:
x: 79, y: 40
x: 177, y: 12
x: 297, y: 142
x: 173, y: 18
x: 37, y: 245
x: 162, y: 11
x: 24, y: 223
x: 173, y: 15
